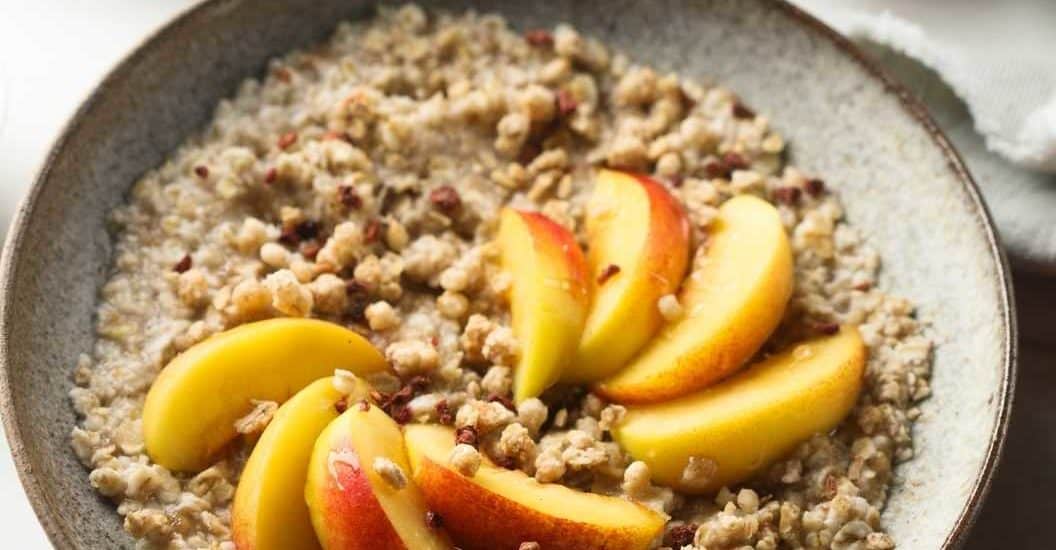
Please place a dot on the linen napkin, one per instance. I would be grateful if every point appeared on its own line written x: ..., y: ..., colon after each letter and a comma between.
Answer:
x: 999, y: 57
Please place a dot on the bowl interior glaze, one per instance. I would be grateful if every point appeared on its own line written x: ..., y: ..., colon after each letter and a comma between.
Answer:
x: 902, y: 185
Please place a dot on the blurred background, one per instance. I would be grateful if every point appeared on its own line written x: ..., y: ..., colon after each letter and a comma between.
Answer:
x: 52, y: 52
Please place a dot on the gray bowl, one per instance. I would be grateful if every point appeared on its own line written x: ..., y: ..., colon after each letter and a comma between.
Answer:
x: 901, y: 182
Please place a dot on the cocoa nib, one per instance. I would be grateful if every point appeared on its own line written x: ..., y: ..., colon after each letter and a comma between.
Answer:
x: 466, y: 435
x: 341, y: 405
x: 201, y: 171
x: 608, y: 273
x: 540, y: 38
x: 183, y: 265
x: 681, y: 536
x: 445, y: 199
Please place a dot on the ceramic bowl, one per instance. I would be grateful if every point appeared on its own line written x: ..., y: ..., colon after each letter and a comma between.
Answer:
x: 901, y: 182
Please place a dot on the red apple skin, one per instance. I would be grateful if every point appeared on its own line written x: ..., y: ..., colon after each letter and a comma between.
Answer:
x: 497, y: 523
x: 354, y: 514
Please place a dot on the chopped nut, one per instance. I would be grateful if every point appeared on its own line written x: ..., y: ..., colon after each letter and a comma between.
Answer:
x: 258, y: 418
x: 465, y: 459
x: 390, y: 472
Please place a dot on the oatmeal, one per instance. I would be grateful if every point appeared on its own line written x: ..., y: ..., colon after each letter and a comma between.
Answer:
x: 360, y: 182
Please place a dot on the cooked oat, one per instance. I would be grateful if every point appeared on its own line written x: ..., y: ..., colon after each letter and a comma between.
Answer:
x: 358, y: 182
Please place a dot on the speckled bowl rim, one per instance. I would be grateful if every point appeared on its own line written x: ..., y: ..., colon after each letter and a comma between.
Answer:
x: 57, y: 529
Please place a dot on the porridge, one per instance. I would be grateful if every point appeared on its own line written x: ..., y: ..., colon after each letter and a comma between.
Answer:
x: 409, y: 180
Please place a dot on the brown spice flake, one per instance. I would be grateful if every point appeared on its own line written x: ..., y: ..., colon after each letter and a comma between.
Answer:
x: 372, y: 230
x: 506, y: 462
x: 609, y: 272
x: 341, y: 405
x: 566, y: 103
x: 201, y: 171
x: 787, y: 195
x: 503, y: 400
x: 827, y: 329
x: 271, y: 175
x: 183, y: 265
x: 681, y: 535
x: 282, y: 74
x: 540, y: 38
x: 287, y: 139
x: 443, y: 413
x: 433, y: 520
x: 308, y: 229
x: 349, y: 197
x: 741, y: 111
x: 466, y: 435
x: 814, y: 186
x: 735, y: 161
x: 445, y: 199
x: 402, y: 414
x: 310, y: 249
x: 289, y: 236
x: 716, y: 169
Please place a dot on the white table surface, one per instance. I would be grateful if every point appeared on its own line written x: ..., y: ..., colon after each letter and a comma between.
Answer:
x: 53, y: 52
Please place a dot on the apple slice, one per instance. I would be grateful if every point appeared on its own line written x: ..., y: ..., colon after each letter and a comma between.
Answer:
x: 732, y: 302
x: 639, y: 248
x: 351, y: 504
x: 498, y: 509
x: 548, y: 298
x: 741, y: 425
x: 191, y: 409
x: 269, y: 512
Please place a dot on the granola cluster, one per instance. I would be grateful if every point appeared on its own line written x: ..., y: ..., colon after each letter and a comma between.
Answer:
x: 359, y: 182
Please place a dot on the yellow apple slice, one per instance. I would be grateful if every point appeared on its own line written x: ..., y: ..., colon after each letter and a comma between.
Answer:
x: 498, y: 509
x: 548, y: 298
x: 638, y: 239
x: 741, y: 425
x: 351, y: 505
x: 732, y: 302
x: 269, y: 512
x: 191, y: 409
